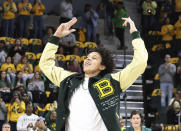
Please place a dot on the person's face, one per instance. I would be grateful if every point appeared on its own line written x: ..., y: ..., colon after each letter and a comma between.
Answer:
x: 24, y: 61
x: 76, y: 62
x: 119, y: 6
x: 136, y: 121
x: 37, y: 75
x: 3, y: 75
x: 29, y: 108
x: 6, y: 127
x: 19, y: 75
x: 179, y: 17
x: 53, y: 116
x: 61, y: 50
x: 179, y: 94
x: 18, y: 42
x: 8, y: 60
x: 167, y: 58
x: 16, y: 96
x: 167, y: 21
x: 50, y: 31
x: 92, y: 64
x: 21, y: 90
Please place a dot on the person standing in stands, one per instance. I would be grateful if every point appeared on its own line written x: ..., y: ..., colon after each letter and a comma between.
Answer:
x: 8, y: 17
x: 38, y: 9
x: 149, y: 12
x: 177, y: 27
x: 24, y: 8
x: 166, y: 73
x: 118, y: 22
x: 90, y: 17
x: 177, y: 8
x: 91, y: 101
x: 167, y: 32
x: 66, y: 11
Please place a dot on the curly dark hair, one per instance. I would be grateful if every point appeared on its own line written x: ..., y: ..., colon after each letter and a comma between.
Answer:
x: 107, y: 59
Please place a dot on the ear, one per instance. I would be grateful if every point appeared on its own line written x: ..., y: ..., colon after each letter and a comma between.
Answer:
x: 102, y: 67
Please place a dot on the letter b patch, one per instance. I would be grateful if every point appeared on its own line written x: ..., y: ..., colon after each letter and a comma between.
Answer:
x: 104, y: 87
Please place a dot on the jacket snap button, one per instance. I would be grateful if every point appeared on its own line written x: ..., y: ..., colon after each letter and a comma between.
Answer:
x: 63, y: 118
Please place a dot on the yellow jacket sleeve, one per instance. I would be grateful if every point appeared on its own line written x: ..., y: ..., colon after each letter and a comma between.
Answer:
x: 131, y: 72
x: 47, y: 64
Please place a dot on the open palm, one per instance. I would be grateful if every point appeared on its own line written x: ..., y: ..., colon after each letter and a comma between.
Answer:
x: 64, y: 28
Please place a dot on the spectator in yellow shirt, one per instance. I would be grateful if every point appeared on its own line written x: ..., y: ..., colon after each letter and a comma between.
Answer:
x: 38, y: 9
x: 177, y: 8
x: 26, y: 68
x: 8, y: 17
x: 24, y: 8
x: 15, y: 109
x: 178, y: 34
x: 167, y: 32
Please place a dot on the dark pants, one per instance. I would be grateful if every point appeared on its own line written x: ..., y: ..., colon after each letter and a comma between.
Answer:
x: 1, y: 123
x: 91, y: 33
x: 8, y: 28
x: 63, y: 20
x: 24, y: 21
x: 148, y: 22
x: 120, y: 35
x: 38, y: 26
x: 13, y: 125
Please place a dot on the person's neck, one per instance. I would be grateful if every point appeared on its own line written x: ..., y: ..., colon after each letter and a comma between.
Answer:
x: 89, y: 75
x: 137, y: 128
x: 28, y: 114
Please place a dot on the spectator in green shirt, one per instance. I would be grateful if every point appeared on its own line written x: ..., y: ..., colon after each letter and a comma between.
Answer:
x: 118, y: 23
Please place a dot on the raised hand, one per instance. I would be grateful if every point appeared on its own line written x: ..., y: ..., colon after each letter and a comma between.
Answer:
x: 131, y: 23
x: 64, y: 28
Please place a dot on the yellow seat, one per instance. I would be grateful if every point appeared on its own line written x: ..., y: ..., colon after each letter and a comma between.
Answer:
x: 60, y: 57
x: 8, y: 40
x: 174, y: 60
x: 38, y: 56
x: 80, y: 44
x: 72, y: 57
x: 35, y: 45
x: 156, y: 92
x: 82, y: 58
x: 90, y: 44
x: 157, y: 77
x: 31, y: 57
x: 34, y: 41
x: 25, y: 41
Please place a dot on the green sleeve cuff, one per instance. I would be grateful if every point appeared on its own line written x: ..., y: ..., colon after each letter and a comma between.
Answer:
x: 135, y: 34
x: 54, y: 40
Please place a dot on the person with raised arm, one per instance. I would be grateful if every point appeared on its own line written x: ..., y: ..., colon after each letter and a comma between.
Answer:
x: 90, y: 101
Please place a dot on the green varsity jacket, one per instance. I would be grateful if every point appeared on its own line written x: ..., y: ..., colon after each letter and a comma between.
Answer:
x: 105, y: 90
